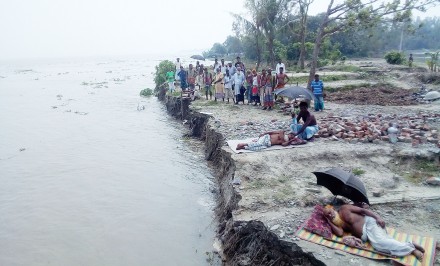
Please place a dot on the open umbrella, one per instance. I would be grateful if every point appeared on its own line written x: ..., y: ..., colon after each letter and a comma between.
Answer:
x: 294, y: 92
x: 198, y: 57
x: 343, y: 183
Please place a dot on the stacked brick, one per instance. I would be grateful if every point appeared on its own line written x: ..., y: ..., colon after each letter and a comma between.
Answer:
x: 416, y: 129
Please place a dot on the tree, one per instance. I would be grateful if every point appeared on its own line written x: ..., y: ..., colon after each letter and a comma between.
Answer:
x: 264, y: 16
x: 252, y: 29
x: 361, y: 13
x: 233, y: 45
x: 303, y: 12
x: 161, y: 71
x: 218, y: 49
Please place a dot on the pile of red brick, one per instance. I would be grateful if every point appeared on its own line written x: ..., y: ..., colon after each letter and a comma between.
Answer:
x: 413, y: 129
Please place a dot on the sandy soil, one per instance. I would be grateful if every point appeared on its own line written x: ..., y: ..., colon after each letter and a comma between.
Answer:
x: 279, y: 189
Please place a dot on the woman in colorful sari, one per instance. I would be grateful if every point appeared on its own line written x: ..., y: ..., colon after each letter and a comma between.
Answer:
x: 219, y: 85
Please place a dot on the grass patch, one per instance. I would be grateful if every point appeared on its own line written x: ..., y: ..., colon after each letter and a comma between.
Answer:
x: 284, y: 194
x: 427, y: 166
x: 421, y: 169
x: 347, y: 87
x: 258, y: 183
x: 358, y: 171
x: 210, y: 103
x: 361, y: 85
x: 346, y: 68
x: 283, y: 179
x: 324, y: 78
x: 270, y: 182
x: 415, y: 170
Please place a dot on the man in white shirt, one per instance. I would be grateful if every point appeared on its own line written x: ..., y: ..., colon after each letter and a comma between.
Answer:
x: 223, y: 66
x: 238, y: 81
x: 177, y: 65
x: 216, y: 65
x: 279, y: 65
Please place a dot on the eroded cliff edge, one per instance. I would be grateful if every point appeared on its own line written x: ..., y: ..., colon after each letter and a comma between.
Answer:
x: 244, y: 242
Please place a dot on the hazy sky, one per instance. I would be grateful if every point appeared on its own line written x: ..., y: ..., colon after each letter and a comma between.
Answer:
x: 56, y: 28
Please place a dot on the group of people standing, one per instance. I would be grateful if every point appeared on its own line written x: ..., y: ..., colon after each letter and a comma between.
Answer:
x: 228, y: 81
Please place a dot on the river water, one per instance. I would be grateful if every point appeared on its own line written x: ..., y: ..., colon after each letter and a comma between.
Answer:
x: 93, y: 174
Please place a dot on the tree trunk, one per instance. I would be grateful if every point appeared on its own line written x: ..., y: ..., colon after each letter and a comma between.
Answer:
x: 316, y: 50
x: 270, y: 40
x: 302, y: 53
x: 258, y: 47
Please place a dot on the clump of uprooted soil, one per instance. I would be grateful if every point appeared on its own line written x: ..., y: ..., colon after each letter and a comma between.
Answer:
x: 374, y: 95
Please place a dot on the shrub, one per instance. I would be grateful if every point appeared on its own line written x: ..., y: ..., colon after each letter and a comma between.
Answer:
x: 395, y: 58
x: 146, y: 92
x: 161, y: 71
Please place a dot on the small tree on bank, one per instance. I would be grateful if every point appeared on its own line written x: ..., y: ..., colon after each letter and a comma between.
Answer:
x: 160, y: 74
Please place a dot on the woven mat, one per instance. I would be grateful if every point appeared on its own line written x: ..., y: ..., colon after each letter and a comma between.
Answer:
x: 335, y: 242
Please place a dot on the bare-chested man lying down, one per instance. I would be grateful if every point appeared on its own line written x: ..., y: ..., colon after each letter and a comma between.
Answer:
x: 367, y: 225
x: 268, y: 139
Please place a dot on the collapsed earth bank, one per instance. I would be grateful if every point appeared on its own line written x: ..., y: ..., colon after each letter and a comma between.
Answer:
x: 243, y: 242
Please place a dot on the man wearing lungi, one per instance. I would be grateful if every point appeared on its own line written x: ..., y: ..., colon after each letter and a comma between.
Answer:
x: 309, y: 128
x: 367, y: 225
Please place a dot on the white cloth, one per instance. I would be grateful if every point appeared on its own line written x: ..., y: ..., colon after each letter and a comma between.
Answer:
x: 278, y: 66
x: 177, y: 64
x: 238, y: 81
x: 382, y: 242
x: 228, y: 82
x: 216, y: 66
x: 223, y: 69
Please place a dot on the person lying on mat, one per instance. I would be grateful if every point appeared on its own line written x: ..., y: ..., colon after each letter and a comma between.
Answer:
x: 309, y: 128
x: 367, y: 225
x: 268, y: 139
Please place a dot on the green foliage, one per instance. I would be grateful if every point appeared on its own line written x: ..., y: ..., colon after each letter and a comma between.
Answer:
x: 280, y: 50
x: 146, y: 92
x: 358, y: 171
x: 217, y: 50
x: 330, y: 52
x: 161, y: 71
x: 395, y: 58
x: 293, y: 50
x: 323, y: 62
x: 233, y: 45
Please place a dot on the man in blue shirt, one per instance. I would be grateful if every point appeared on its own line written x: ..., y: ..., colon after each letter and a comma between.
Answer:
x: 318, y: 90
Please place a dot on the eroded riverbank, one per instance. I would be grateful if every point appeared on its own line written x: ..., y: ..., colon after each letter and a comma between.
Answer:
x: 277, y: 191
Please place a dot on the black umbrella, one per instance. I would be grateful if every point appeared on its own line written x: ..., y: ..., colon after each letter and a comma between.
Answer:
x: 294, y: 92
x: 198, y: 57
x: 343, y: 183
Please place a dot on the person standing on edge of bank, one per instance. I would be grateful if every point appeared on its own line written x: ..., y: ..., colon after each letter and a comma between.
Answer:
x: 318, y: 91
x: 177, y: 65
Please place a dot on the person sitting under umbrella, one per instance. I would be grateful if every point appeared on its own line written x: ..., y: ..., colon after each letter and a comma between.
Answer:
x: 309, y: 128
x: 367, y: 225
